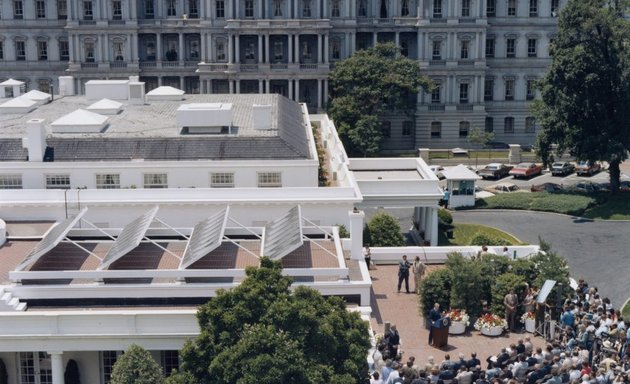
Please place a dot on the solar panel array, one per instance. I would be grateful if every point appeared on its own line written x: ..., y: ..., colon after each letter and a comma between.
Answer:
x: 283, y: 235
x: 50, y: 240
x: 205, y: 237
x: 129, y: 237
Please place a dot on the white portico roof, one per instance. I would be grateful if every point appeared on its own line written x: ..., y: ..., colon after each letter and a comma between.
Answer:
x: 460, y: 172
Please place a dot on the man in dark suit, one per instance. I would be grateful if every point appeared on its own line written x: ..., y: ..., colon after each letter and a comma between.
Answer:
x: 434, y: 315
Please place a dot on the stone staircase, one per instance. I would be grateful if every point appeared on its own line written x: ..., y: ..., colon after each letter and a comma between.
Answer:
x: 10, y: 303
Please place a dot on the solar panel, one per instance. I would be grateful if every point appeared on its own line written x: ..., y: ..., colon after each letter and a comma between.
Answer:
x: 205, y: 237
x: 283, y: 235
x: 51, y: 239
x: 129, y: 237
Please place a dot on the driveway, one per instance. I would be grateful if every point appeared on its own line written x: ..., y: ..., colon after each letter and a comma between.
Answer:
x: 598, y: 251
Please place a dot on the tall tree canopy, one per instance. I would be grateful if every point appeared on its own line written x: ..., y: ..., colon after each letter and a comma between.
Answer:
x: 365, y: 85
x: 586, y: 92
x: 262, y: 332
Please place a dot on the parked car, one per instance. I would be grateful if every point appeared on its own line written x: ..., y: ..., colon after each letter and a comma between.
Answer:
x: 562, y: 168
x: 437, y: 169
x: 547, y: 187
x: 587, y: 168
x: 526, y: 170
x: 496, y: 145
x: 504, y: 188
x: 495, y: 171
x: 480, y: 193
x: 586, y: 186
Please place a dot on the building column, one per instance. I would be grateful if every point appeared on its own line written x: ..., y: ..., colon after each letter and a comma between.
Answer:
x: 230, y: 49
x: 237, y: 49
x: 181, y: 47
x: 133, y: 10
x: 397, y: 39
x: 56, y: 360
x: 260, y: 49
x: 356, y: 234
x: 325, y: 92
x: 71, y: 49
x: 181, y: 82
x: 260, y: 86
x: 353, y: 43
x: 319, y: 94
x: 267, y: 49
x: 297, y: 49
x: 419, y: 46
x: 319, y: 49
x: 260, y: 11
x: 297, y: 90
x: 231, y: 86
x: 325, y: 10
x: 290, y: 47
x: 295, y: 10
x: 434, y: 227
x: 375, y: 35
x: 290, y: 85
x: 326, y: 48
x: 237, y: 87
x: 159, y: 81
x: 159, y: 47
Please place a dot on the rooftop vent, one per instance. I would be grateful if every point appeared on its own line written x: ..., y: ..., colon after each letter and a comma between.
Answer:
x: 36, y: 139
x: 136, y: 92
x: 205, y: 117
x: 79, y: 121
x: 111, y: 89
x: 106, y: 107
x: 11, y: 88
x: 165, y: 93
x: 18, y: 105
x: 262, y: 116
x: 39, y: 97
x: 66, y: 85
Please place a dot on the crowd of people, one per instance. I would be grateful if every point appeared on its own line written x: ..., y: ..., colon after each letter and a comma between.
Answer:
x: 591, y: 345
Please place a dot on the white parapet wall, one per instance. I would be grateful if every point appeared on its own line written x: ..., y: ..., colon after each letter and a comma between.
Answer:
x: 438, y: 255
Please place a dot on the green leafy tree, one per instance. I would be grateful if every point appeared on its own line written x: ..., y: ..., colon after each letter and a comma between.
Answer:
x: 470, y: 285
x: 435, y: 288
x: 480, y: 139
x: 364, y: 86
x: 586, y: 92
x: 136, y: 366
x: 71, y: 375
x: 261, y: 332
x: 4, y: 379
x: 385, y: 231
x: 550, y: 266
x: 502, y: 286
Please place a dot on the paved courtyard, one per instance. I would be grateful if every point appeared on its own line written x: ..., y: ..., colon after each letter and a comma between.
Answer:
x: 403, y: 310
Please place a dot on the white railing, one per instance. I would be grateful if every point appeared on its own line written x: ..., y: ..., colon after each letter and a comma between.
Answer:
x: 438, y: 255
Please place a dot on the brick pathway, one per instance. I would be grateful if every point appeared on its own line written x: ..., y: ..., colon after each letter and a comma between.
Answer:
x: 403, y: 310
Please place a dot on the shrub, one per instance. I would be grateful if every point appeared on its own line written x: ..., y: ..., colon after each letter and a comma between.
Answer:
x: 445, y: 216
x: 484, y: 239
x: 550, y: 266
x: 343, y: 231
x: 525, y: 268
x: 506, y: 201
x: 502, y: 286
x: 570, y: 204
x: 470, y: 285
x: 136, y: 366
x: 435, y: 288
x: 4, y: 379
x: 495, y: 265
x: 71, y: 375
x: 384, y: 231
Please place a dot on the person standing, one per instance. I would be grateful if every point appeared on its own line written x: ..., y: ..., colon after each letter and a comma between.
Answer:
x: 403, y: 273
x: 367, y: 254
x: 510, y: 301
x: 418, y: 271
x: 434, y: 315
x: 447, y: 195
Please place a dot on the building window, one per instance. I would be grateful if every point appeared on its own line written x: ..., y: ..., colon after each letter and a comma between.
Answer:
x: 89, y: 51
x: 533, y: 8
x: 489, y: 125
x: 40, y: 9
x: 404, y: 8
x: 64, y: 50
x: 269, y: 179
x: 109, y: 359
x: 18, y: 10
x: 555, y: 4
x: 44, y: 85
x: 510, y: 48
x: 511, y: 9
x: 108, y: 181
x: 10, y: 181
x: 193, y: 9
x: 491, y: 8
x: 435, y: 94
x: 362, y: 8
x: 509, y: 89
x: 306, y: 8
x: 278, y: 50
x: 170, y: 361
x: 489, y: 48
x: 531, y: 89
x: 220, y: 9
x: 465, y: 8
x: 155, y: 180
x: 88, y: 12
x: 386, y: 129
x: 249, y: 8
x: 464, y: 126
x: 220, y: 47
x: 464, y: 49
x: 117, y: 48
x: 437, y: 50
x: 488, y: 90
x: 508, y: 125
x: 277, y: 8
x: 531, y: 47
x: 62, y: 9
x: 463, y: 93
x: 407, y: 128
x: 336, y: 8
x: 437, y: 9
x: 335, y: 49
x: 530, y: 125
x: 222, y: 180
x: 436, y: 130
x: 58, y: 181
x: 149, y: 9
x: 42, y: 50
x: 171, y: 7
x: 35, y: 367
x: 117, y: 9
x: 20, y: 50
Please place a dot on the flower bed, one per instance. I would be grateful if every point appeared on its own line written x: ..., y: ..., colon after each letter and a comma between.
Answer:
x: 490, y: 324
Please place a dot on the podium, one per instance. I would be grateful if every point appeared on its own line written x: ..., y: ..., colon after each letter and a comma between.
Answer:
x: 440, y: 332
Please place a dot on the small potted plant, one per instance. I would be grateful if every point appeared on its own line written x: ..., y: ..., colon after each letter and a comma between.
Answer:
x: 459, y: 321
x: 529, y: 319
x: 490, y: 325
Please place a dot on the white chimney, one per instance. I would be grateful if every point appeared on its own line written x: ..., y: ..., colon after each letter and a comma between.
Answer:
x: 134, y: 79
x: 136, y: 92
x: 36, y: 134
x: 66, y: 86
x: 261, y: 116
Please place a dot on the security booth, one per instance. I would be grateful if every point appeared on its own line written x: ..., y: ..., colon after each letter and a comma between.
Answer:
x: 460, y: 181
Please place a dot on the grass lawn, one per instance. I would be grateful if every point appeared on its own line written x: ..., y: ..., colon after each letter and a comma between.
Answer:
x: 567, y: 203
x: 464, y: 233
x: 615, y: 208
x: 625, y: 312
